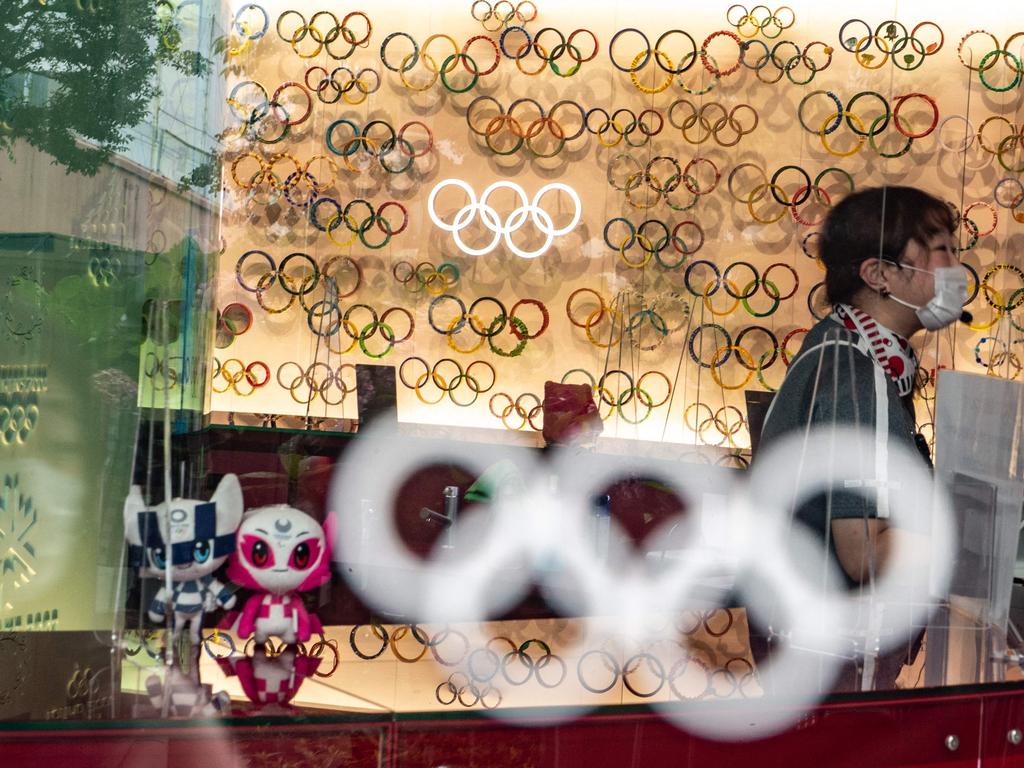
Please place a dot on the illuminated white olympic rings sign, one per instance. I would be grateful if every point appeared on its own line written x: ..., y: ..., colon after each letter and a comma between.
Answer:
x: 492, y: 221
x: 534, y: 535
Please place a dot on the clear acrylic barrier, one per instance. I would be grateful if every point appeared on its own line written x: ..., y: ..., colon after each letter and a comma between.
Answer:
x: 979, y: 433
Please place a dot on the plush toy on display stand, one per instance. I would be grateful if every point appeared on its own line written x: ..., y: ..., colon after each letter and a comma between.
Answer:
x: 200, y: 536
x: 281, y: 551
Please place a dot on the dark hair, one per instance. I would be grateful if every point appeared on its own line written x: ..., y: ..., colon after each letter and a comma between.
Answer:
x: 872, y: 223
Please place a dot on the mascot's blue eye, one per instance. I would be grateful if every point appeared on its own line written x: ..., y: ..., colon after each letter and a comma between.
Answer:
x: 201, y: 552
x: 156, y: 556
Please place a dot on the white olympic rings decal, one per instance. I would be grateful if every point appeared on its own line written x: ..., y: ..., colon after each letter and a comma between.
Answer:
x: 542, y: 220
x: 532, y: 534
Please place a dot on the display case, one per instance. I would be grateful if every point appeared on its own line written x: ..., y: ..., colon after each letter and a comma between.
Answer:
x: 258, y: 262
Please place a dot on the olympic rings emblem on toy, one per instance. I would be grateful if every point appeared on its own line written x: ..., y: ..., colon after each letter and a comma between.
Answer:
x: 490, y: 219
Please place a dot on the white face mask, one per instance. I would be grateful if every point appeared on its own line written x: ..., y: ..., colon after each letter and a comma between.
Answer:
x: 947, y: 305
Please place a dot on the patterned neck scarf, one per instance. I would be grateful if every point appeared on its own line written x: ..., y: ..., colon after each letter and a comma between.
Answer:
x: 891, y: 351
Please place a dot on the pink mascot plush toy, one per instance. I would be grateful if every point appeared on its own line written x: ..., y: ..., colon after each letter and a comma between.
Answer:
x: 281, y: 551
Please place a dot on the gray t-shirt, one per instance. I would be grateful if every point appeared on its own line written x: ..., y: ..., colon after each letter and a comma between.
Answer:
x: 834, y: 380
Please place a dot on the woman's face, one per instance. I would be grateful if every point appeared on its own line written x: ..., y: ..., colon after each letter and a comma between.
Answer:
x: 918, y: 287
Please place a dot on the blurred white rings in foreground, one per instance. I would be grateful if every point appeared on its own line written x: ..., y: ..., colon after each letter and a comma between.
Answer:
x: 540, y: 532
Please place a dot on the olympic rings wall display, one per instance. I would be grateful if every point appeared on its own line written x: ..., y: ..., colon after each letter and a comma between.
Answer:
x: 652, y: 238
x: 760, y: 20
x: 502, y: 663
x: 265, y: 119
x: 167, y: 371
x: 696, y: 127
x: 988, y: 60
x: 530, y: 414
x: 503, y: 131
x: 633, y: 402
x: 498, y: 15
x: 447, y: 376
x: 425, y: 276
x: 322, y: 123
x: 220, y: 645
x: 503, y: 330
x: 647, y: 324
x: 785, y: 58
x: 250, y: 22
x: 396, y: 151
x: 870, y: 127
x: 890, y: 41
x: 268, y: 120
x: 231, y: 373
x: 779, y: 202
x: 797, y: 63
x: 317, y: 381
x: 401, y: 53
x: 324, y: 33
x: 296, y: 277
x: 627, y: 175
x: 344, y: 226
x: 342, y: 83
x: 727, y: 421
x: 504, y: 229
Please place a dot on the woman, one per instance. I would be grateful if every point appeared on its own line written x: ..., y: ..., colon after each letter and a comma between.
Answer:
x: 891, y: 270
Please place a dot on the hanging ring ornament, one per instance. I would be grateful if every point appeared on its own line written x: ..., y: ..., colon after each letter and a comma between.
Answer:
x: 490, y: 219
x: 530, y: 521
x: 711, y: 66
x: 635, y: 66
x: 898, y: 104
